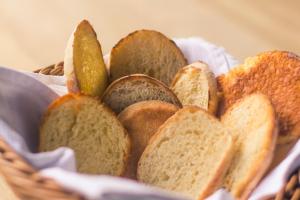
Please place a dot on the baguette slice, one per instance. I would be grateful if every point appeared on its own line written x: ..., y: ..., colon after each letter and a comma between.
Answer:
x: 134, y: 88
x: 100, y: 142
x: 275, y: 74
x: 189, y: 154
x: 196, y: 85
x: 141, y: 120
x: 146, y: 52
x: 252, y: 122
x: 84, y: 66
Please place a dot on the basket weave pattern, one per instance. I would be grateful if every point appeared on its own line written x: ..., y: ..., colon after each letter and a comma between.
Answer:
x: 27, y: 182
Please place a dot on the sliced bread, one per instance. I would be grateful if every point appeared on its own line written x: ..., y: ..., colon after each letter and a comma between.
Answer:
x: 251, y: 121
x: 134, y: 88
x: 141, y: 120
x: 275, y: 74
x: 100, y: 142
x: 146, y: 52
x: 84, y: 66
x: 196, y: 85
x: 189, y: 154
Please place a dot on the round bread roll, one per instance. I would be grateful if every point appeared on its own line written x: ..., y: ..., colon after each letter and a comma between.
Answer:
x: 134, y: 88
x: 146, y: 52
x: 100, y: 143
x: 141, y: 120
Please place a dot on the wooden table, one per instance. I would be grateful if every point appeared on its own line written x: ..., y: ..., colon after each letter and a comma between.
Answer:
x: 34, y: 33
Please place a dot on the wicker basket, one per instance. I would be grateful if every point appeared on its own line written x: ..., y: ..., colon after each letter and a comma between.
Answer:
x: 27, y: 183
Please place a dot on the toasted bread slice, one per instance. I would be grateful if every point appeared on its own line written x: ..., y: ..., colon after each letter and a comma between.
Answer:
x: 196, y: 85
x: 189, y: 154
x: 275, y: 74
x: 134, y: 88
x: 146, y: 52
x: 84, y: 66
x: 100, y: 142
x: 141, y: 120
x: 252, y: 122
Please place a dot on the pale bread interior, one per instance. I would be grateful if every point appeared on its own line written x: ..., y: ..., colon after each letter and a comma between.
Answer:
x: 252, y: 123
x: 99, y: 141
x: 189, y: 154
x: 195, y: 85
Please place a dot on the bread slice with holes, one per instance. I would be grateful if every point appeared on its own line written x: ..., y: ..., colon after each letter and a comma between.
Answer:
x: 84, y: 66
x: 275, y: 74
x: 189, y: 154
x: 135, y: 88
x: 146, y: 52
x: 100, y: 143
x: 252, y: 122
x: 196, y: 85
x: 141, y: 120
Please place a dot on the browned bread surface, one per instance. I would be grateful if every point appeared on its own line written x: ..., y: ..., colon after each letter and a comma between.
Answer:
x: 275, y: 74
x: 146, y: 52
x: 134, y: 88
x: 141, y: 120
x: 84, y: 65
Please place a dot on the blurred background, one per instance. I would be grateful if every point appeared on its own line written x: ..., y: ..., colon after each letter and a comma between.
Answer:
x: 34, y: 33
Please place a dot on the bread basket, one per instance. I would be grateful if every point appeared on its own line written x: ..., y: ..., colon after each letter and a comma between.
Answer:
x: 27, y: 183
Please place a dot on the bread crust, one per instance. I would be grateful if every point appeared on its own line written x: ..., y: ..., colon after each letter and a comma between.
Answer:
x: 213, y: 94
x: 275, y: 74
x: 261, y: 165
x: 106, y: 98
x: 141, y: 120
x: 73, y: 72
x: 117, y: 71
x: 61, y: 100
x: 216, y: 180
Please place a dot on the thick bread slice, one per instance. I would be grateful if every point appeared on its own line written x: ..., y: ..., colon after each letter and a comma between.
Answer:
x: 84, y: 66
x: 134, y: 88
x: 146, y: 52
x: 196, y: 85
x: 189, y: 154
x: 141, y: 120
x: 275, y: 74
x: 100, y: 142
x: 252, y: 122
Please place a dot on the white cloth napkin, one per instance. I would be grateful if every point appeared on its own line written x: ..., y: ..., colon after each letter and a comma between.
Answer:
x: 24, y: 99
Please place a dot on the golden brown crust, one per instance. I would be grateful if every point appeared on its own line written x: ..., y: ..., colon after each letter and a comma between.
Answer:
x: 117, y: 71
x: 275, y: 74
x: 71, y: 96
x: 261, y: 165
x: 106, y: 98
x: 142, y: 120
x: 216, y: 181
x: 92, y: 78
